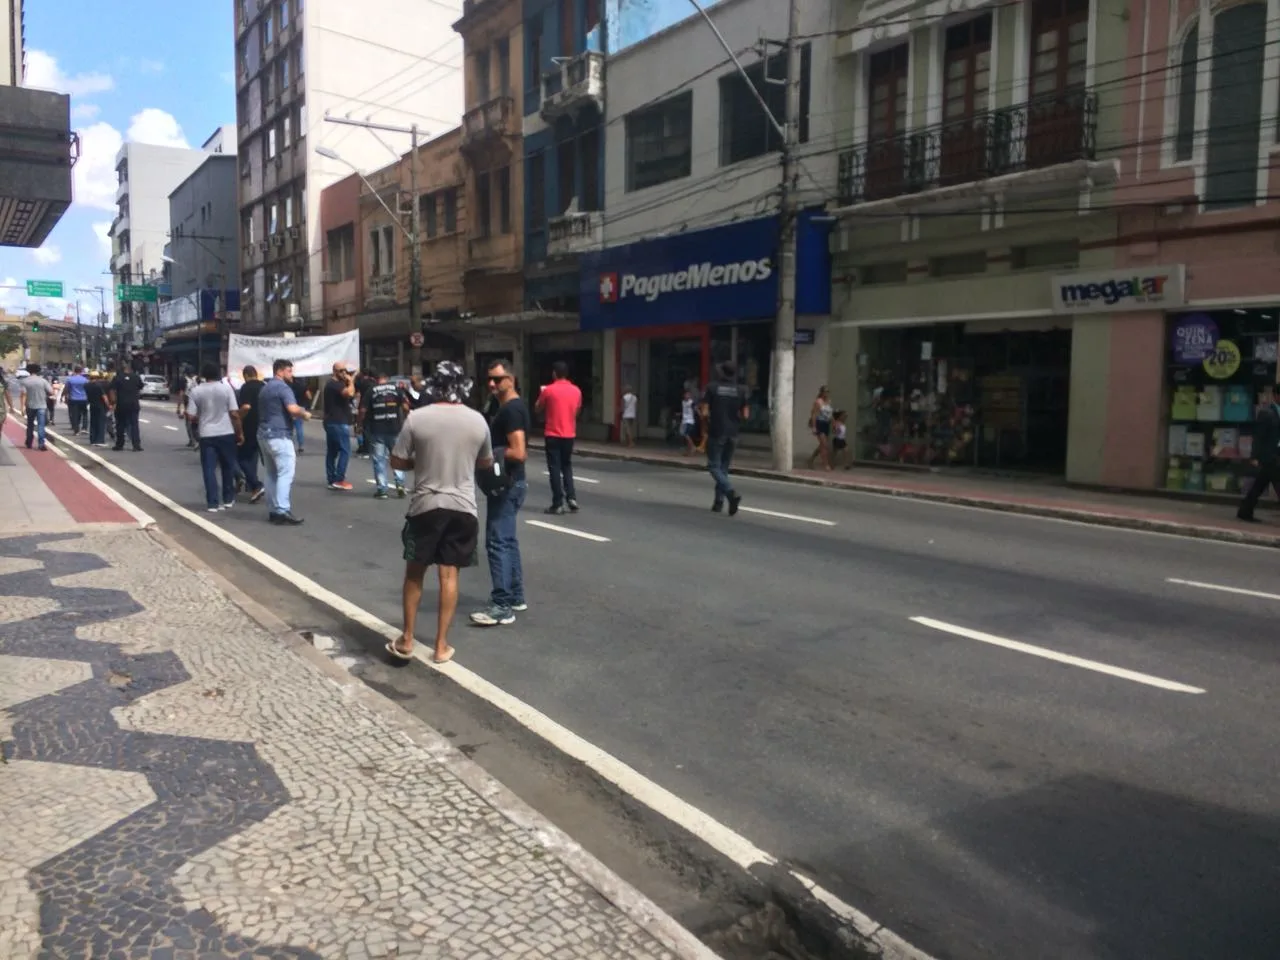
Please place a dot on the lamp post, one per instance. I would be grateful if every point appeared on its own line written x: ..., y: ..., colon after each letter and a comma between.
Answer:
x: 415, y: 250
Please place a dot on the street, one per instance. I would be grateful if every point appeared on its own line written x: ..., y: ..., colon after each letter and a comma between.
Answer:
x: 1000, y: 736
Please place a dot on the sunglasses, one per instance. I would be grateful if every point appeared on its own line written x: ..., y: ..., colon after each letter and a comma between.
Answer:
x: 505, y: 376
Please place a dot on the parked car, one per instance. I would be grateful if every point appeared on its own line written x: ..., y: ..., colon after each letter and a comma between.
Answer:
x: 154, y: 388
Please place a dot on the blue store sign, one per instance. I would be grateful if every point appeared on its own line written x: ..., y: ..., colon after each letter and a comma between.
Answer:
x: 718, y: 275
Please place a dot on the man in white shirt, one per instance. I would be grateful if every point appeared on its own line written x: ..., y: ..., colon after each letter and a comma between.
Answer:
x: 216, y: 412
x: 629, y: 404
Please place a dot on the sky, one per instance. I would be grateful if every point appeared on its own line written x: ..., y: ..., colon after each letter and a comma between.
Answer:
x: 136, y: 70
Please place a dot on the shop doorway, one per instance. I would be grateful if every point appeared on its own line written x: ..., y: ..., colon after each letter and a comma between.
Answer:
x: 674, y: 366
x: 953, y: 395
x: 581, y: 365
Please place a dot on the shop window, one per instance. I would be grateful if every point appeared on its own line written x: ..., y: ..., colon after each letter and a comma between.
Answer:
x: 1221, y: 369
x: 1184, y: 140
x: 746, y: 131
x: 876, y: 273
x: 1037, y: 256
x: 1235, y: 107
x: 958, y: 264
x: 659, y: 142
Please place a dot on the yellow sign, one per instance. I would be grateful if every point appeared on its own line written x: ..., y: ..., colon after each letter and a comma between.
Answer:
x: 1224, y: 361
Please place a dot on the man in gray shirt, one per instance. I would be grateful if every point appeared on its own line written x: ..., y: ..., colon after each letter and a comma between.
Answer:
x: 213, y: 407
x: 36, y: 392
x: 443, y: 444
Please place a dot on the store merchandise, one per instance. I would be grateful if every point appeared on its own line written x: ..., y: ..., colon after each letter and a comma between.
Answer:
x: 1195, y: 477
x: 1237, y: 403
x: 1246, y: 446
x: 1177, y: 439
x: 1221, y: 481
x: 1195, y: 444
x: 1184, y: 403
x: 1226, y: 443
x: 1209, y: 404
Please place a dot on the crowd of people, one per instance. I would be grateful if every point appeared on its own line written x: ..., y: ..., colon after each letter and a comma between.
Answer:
x: 99, y: 404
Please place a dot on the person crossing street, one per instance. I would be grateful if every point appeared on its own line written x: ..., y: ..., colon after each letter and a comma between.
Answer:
x: 560, y: 402
x: 726, y: 403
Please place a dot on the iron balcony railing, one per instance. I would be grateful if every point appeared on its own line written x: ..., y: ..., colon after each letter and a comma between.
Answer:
x: 1040, y: 133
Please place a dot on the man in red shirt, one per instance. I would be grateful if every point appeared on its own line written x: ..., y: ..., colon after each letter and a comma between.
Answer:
x: 560, y: 402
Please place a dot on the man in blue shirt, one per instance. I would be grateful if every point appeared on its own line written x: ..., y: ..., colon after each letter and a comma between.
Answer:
x: 277, y: 410
x: 77, y: 397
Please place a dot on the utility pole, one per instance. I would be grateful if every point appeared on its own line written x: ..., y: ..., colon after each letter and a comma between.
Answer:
x: 782, y: 383
x: 413, y: 235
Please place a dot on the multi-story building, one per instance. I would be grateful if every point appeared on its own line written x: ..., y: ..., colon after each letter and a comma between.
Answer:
x: 39, y: 146
x: 693, y: 183
x: 389, y: 61
x: 145, y: 174
x: 367, y: 258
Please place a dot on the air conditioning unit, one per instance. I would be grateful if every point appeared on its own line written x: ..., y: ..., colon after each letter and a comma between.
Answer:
x: 279, y: 159
x: 277, y: 239
x: 262, y: 246
x: 294, y: 232
x: 331, y: 276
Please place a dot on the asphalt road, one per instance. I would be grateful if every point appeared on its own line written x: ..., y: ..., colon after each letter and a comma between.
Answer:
x: 981, y: 798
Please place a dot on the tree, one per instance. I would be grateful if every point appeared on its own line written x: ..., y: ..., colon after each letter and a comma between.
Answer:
x: 10, y: 340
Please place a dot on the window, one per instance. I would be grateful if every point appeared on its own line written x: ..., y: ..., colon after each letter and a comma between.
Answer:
x: 536, y: 178
x: 341, y: 244
x: 481, y: 222
x: 745, y: 130
x: 1235, y: 107
x: 1184, y: 140
x: 266, y: 88
x: 268, y: 30
x: 1058, y: 253
x: 534, y: 30
x: 566, y: 170
x: 273, y: 221
x: 504, y: 200
x: 481, y: 67
x: 381, y: 251
x: 288, y: 211
x: 874, y: 273
x: 427, y: 213
x: 888, y: 80
x: 451, y: 210
x: 284, y: 74
x: 284, y: 14
x: 958, y: 264
x: 1060, y: 38
x: 503, y: 49
x: 967, y: 69
x: 287, y: 127
x: 659, y: 147
x: 389, y: 250
x: 375, y: 253
x: 271, y: 142
x: 589, y: 198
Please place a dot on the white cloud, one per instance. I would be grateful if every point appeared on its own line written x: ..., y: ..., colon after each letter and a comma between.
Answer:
x: 86, y: 112
x: 151, y: 66
x: 47, y: 255
x: 43, y: 73
x: 95, y: 171
x: 157, y: 127
x: 100, y: 230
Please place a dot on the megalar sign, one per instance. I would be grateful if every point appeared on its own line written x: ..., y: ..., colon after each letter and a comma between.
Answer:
x: 1118, y: 291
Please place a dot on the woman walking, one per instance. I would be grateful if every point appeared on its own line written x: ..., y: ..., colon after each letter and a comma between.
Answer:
x: 820, y: 415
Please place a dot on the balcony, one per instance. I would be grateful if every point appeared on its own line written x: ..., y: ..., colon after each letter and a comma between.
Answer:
x: 122, y: 190
x: 578, y: 84
x: 487, y: 127
x: 575, y: 232
x: 35, y: 165
x: 382, y: 287
x: 1040, y: 134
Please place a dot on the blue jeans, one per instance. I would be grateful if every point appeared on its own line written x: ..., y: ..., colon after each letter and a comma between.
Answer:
x: 35, y: 424
x: 247, y: 458
x: 337, y: 451
x: 502, y: 547
x: 218, y: 452
x: 280, y: 460
x: 380, y: 445
x: 719, y: 459
x: 299, y: 434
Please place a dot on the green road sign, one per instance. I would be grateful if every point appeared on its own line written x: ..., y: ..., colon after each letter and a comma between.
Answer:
x: 44, y: 288
x: 136, y: 293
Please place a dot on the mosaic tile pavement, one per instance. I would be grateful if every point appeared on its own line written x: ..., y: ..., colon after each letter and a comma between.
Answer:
x: 181, y: 786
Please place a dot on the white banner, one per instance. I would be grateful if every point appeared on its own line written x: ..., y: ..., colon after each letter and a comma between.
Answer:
x: 311, y: 356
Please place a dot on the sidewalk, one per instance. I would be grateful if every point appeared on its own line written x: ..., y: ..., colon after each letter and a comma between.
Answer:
x: 1037, y: 497
x: 184, y: 778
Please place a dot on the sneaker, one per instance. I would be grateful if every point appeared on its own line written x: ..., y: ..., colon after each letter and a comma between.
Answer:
x: 228, y: 506
x: 254, y: 498
x: 572, y: 505
x: 493, y: 617
x: 284, y: 519
x: 555, y: 511
x: 520, y: 607
x: 213, y: 509
x: 341, y: 485
x: 734, y: 500
x: 380, y: 495
x: 400, y: 490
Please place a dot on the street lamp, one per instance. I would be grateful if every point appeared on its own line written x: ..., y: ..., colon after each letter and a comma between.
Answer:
x: 415, y: 251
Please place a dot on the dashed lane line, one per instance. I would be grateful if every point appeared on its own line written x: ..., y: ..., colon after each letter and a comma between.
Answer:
x: 168, y: 426
x: 787, y: 516
x: 1239, y: 591
x: 1047, y: 654
x: 581, y: 534
x: 576, y: 477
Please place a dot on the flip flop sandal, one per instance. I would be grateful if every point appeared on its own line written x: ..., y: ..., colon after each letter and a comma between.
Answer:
x: 396, y: 652
x: 446, y: 659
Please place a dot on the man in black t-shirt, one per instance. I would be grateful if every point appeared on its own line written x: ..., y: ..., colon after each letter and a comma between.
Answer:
x: 726, y: 405
x: 363, y: 381
x: 126, y: 400
x: 380, y: 419
x: 509, y: 427
x: 336, y: 400
x: 248, y: 453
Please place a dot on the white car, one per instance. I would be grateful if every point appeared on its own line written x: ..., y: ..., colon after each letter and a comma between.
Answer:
x: 154, y: 388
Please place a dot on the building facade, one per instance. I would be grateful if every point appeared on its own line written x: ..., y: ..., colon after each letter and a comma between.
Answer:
x: 389, y: 61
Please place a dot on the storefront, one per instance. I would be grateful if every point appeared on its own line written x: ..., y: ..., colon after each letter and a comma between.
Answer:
x: 1220, y: 368
x: 675, y: 307
x: 582, y: 352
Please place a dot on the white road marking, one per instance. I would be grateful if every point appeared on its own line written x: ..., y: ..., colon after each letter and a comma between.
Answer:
x: 1066, y: 658
x: 594, y: 537
x: 140, y: 420
x: 168, y: 426
x: 576, y: 477
x: 1222, y: 589
x: 731, y: 845
x: 788, y: 516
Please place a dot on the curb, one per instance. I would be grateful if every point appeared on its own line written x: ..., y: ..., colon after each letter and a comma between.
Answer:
x: 627, y: 899
x: 1092, y: 518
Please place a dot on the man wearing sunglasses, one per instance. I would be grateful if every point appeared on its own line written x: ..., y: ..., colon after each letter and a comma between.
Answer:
x: 510, y: 429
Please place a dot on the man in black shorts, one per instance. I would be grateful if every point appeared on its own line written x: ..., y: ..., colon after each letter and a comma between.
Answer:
x: 443, y: 444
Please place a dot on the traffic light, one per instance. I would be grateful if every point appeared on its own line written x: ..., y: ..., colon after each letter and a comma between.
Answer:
x: 35, y: 326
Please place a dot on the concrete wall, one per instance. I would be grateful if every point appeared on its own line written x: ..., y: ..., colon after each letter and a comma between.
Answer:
x: 204, y: 206
x: 674, y: 59
x: 153, y: 173
x: 340, y: 206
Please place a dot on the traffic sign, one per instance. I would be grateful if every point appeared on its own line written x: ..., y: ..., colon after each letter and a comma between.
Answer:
x: 137, y: 293
x: 44, y: 288
x: 415, y: 339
